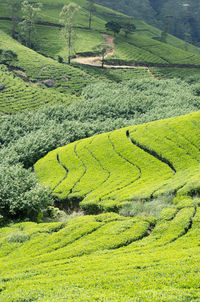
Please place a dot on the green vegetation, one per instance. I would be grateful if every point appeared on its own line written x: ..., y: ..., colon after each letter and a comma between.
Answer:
x: 78, y: 140
x: 185, y: 19
x: 191, y: 75
x: 104, y: 258
x: 27, y: 137
x: 37, y: 68
x: 151, y: 159
x: 141, y: 44
x: 18, y: 95
x: 141, y: 49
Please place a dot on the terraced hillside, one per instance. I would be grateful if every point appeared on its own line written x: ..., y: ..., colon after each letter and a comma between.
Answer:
x: 18, y: 95
x: 142, y: 49
x: 143, y: 46
x: 108, y: 171
x: 37, y: 68
x: 104, y: 258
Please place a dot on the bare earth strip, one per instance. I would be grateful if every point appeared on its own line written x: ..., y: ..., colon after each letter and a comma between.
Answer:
x: 96, y: 61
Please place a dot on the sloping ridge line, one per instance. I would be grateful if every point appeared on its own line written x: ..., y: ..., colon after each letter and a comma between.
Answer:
x: 151, y: 152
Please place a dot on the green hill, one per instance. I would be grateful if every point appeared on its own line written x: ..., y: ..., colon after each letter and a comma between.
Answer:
x: 18, y: 95
x: 111, y: 170
x: 37, y: 68
x: 104, y: 258
x: 141, y: 47
x: 99, y: 191
x: 185, y: 14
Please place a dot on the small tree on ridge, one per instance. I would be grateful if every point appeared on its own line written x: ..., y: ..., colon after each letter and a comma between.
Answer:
x: 67, y: 19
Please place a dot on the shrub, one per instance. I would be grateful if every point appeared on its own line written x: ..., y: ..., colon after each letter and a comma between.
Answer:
x: 196, y: 89
x: 20, y: 195
x: 18, y: 237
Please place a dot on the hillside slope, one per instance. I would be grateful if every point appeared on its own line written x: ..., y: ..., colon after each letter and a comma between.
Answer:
x: 140, y: 47
x: 104, y: 258
x: 18, y: 95
x: 38, y: 69
x: 108, y: 171
x: 185, y: 14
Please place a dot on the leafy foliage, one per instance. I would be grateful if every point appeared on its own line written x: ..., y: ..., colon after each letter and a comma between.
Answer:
x: 20, y: 195
x: 26, y: 137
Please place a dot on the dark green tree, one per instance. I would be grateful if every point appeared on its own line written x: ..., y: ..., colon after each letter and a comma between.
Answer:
x: 113, y: 26
x: 92, y: 9
x: 165, y: 31
x: 14, y: 8
x: 7, y: 57
x: 128, y: 28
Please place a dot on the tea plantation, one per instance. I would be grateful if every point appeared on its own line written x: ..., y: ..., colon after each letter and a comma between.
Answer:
x: 37, y: 68
x: 104, y: 258
x: 18, y: 95
x: 99, y: 167
x: 141, y: 47
x: 108, y: 171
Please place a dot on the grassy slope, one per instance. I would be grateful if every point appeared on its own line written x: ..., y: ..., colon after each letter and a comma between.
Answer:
x: 104, y: 258
x: 19, y: 96
x: 139, y: 47
x: 109, y: 170
x: 38, y: 68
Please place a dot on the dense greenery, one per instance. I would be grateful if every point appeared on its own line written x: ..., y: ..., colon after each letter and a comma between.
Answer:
x: 67, y: 153
x: 18, y: 95
x: 38, y: 69
x: 151, y: 159
x: 27, y: 137
x: 132, y: 46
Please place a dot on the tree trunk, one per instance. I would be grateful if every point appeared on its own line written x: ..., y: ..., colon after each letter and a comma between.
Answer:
x: 90, y: 19
x: 69, y: 47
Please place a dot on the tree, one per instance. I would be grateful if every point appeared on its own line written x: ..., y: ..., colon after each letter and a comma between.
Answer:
x: 113, y: 26
x: 128, y: 28
x: 164, y: 33
x: 187, y: 37
x: 68, y: 19
x: 102, y: 49
x: 30, y: 12
x: 14, y: 8
x: 92, y: 9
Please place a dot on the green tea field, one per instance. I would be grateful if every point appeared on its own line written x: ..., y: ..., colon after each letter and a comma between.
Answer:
x: 18, y: 95
x: 140, y: 47
x: 104, y: 258
x: 108, y: 171
x: 99, y: 156
x: 36, y: 68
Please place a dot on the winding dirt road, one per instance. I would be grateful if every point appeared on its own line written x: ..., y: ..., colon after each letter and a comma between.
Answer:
x: 96, y: 61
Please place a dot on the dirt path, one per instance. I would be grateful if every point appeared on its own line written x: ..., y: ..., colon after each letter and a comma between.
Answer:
x: 96, y: 61
x: 151, y: 73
